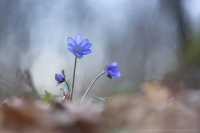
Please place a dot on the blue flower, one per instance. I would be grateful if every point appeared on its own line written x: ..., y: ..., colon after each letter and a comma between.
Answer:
x: 60, y: 78
x: 112, y: 70
x: 78, y: 46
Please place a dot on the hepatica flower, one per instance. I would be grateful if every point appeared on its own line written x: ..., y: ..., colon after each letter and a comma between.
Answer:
x: 78, y: 46
x: 112, y: 70
x: 60, y: 78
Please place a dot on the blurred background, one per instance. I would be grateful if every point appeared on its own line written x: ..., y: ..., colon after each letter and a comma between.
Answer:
x: 148, y: 39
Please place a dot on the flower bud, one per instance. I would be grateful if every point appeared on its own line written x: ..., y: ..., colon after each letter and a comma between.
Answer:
x: 60, y: 78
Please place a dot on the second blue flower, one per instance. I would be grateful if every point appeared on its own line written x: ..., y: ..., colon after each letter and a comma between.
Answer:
x: 112, y: 70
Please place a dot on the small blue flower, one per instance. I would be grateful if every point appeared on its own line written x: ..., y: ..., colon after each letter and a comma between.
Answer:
x: 60, y: 78
x: 78, y: 46
x: 112, y: 70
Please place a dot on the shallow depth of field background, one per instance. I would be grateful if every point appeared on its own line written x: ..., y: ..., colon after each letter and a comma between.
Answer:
x: 148, y: 39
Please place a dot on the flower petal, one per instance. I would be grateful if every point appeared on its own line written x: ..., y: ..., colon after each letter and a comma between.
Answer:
x: 79, y: 55
x: 110, y: 72
x: 84, y: 52
x: 87, y: 46
x: 56, y: 78
x: 70, y: 46
x: 71, y: 50
x: 106, y: 71
x: 114, y: 69
x: 112, y: 64
x: 107, y: 64
x: 70, y: 41
x: 115, y: 75
x: 118, y: 74
x: 85, y: 41
x: 60, y: 78
x: 78, y: 40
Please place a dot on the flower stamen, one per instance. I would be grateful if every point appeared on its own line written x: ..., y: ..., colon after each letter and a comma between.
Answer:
x: 77, y: 49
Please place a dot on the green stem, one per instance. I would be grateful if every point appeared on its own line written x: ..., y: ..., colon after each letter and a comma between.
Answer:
x: 73, y: 79
x: 91, y: 87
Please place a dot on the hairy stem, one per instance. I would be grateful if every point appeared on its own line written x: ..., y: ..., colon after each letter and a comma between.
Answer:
x: 90, y: 87
x: 73, y: 79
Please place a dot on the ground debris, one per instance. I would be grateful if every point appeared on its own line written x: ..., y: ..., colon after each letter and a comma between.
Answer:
x: 155, y: 110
